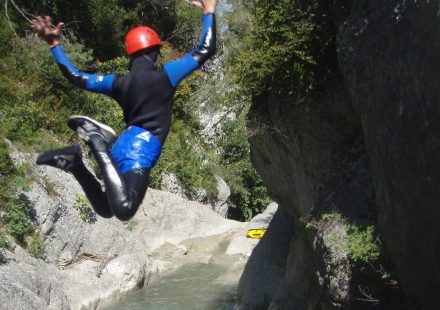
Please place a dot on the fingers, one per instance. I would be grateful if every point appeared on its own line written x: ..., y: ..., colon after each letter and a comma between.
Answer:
x: 208, y: 6
x: 47, y: 21
x: 59, y: 27
x: 197, y: 4
x: 37, y: 24
x: 45, y: 24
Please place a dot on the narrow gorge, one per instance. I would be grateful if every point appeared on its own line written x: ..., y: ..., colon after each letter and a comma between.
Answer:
x: 340, y: 100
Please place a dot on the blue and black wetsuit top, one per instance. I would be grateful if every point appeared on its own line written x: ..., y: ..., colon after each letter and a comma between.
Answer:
x: 145, y: 94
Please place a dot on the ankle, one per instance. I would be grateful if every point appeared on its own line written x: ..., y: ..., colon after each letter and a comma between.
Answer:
x: 98, y: 144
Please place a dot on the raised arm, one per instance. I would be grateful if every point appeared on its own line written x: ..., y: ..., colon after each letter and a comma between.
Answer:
x: 91, y: 82
x: 179, y: 69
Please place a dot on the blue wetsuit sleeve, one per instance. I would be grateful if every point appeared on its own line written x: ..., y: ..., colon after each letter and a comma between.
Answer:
x: 177, y: 70
x: 92, y: 82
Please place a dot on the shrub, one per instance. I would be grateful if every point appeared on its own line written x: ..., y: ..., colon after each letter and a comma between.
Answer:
x: 289, y: 47
x: 35, y: 245
x: 3, y: 245
x: 49, y: 186
x: 188, y: 26
x: 6, y: 164
x: 185, y: 157
x: 102, y: 24
x: 16, y: 217
x: 83, y: 206
x: 3, y: 242
x: 248, y: 197
x: 362, y: 245
x: 331, y: 216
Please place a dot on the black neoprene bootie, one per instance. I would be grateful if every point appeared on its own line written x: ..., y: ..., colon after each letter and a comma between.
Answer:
x: 88, y: 128
x: 64, y: 158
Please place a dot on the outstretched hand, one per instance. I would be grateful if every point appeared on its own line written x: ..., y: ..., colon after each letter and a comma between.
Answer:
x: 43, y: 26
x: 208, y: 6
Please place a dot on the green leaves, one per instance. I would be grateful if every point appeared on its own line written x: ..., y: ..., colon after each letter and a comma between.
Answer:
x: 16, y: 217
x: 83, y: 206
x: 185, y: 156
x: 362, y: 244
x: 248, y: 194
x: 102, y: 24
x: 288, y: 41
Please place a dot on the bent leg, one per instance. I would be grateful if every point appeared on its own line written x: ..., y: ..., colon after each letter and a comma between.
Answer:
x: 136, y: 182
x: 124, y: 192
x: 92, y: 189
x: 69, y: 159
x: 126, y: 179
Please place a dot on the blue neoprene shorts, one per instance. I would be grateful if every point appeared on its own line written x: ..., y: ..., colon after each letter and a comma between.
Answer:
x: 136, y: 148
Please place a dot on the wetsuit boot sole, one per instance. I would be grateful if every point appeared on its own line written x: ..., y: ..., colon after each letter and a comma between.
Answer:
x: 87, y: 127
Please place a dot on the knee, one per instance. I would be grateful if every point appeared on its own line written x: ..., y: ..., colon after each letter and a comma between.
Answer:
x: 103, y: 211
x: 124, y: 211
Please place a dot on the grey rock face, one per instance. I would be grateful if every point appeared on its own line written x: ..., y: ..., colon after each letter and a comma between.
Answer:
x: 389, y: 59
x: 91, y: 263
x: 83, y: 262
x: 266, y: 267
x: 28, y: 283
x: 220, y: 206
x: 366, y: 148
x: 171, y: 184
x: 298, y: 150
x: 241, y: 245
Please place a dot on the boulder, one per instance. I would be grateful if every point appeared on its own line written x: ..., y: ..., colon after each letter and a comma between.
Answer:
x: 243, y: 246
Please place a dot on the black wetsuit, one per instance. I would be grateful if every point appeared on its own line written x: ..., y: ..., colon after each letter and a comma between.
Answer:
x: 145, y: 95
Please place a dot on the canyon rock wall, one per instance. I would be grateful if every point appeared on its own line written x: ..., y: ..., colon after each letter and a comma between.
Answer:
x: 366, y: 147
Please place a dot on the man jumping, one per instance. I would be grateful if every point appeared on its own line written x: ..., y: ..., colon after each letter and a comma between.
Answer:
x: 145, y: 95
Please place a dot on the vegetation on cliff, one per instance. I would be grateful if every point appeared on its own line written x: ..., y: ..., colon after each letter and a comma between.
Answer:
x: 288, y: 46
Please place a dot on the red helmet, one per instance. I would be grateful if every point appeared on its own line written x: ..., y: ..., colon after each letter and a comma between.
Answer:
x: 139, y: 38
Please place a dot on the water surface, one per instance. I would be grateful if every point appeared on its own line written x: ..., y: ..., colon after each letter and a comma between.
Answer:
x: 192, y: 287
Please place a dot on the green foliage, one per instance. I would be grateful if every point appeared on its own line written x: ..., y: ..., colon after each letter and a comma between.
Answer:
x: 6, y: 165
x: 102, y: 24
x: 189, y: 23
x: 182, y: 156
x: 331, y: 216
x: 3, y: 245
x: 362, y: 245
x: 16, y: 217
x: 35, y: 245
x: 49, y: 186
x: 3, y: 241
x: 132, y: 224
x: 248, y: 197
x: 36, y: 98
x: 83, y: 206
x: 289, y: 46
x: 22, y: 177
x: 184, y: 105
x: 117, y: 65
